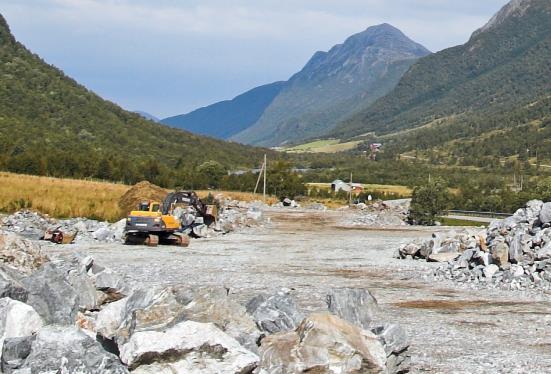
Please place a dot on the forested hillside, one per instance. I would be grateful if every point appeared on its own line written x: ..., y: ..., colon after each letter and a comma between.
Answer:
x: 475, y: 97
x: 49, y: 124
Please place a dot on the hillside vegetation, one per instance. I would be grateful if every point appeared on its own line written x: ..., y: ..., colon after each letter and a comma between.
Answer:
x: 51, y: 125
x: 499, y: 80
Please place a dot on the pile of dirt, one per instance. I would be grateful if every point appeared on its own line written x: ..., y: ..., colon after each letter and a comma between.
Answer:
x: 142, y: 191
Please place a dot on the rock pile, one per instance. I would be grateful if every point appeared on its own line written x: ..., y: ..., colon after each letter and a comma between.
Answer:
x: 514, y: 253
x: 77, y: 316
x: 33, y: 225
x: 382, y: 213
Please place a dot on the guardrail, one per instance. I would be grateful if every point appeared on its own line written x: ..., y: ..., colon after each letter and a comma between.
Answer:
x: 474, y: 213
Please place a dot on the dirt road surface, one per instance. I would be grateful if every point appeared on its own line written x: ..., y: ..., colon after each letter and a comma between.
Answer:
x: 452, y: 330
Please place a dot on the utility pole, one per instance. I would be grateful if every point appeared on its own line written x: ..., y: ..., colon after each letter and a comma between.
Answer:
x: 351, y: 189
x: 265, y: 167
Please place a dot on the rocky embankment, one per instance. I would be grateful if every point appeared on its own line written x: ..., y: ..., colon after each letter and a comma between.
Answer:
x: 78, y: 316
x: 514, y: 253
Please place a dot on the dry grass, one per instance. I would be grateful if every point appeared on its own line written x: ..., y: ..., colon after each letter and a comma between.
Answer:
x: 386, y: 188
x: 241, y: 196
x: 61, y: 197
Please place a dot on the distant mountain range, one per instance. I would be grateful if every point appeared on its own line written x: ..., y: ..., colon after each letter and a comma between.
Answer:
x: 492, y: 93
x: 51, y: 125
x: 331, y: 87
x: 227, y: 118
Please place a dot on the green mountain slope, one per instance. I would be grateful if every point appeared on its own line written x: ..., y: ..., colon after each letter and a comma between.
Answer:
x: 49, y: 124
x: 335, y: 84
x: 227, y: 118
x: 499, y: 79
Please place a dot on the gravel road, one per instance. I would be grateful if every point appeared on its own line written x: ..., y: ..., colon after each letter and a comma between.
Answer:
x: 452, y: 330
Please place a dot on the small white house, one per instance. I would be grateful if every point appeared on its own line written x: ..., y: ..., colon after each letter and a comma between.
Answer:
x: 339, y: 185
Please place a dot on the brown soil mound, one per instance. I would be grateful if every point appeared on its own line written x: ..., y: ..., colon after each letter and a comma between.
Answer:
x: 142, y: 191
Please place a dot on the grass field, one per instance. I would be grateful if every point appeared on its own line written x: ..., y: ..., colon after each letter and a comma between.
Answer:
x: 445, y: 221
x: 63, y: 198
x: 386, y: 188
x: 323, y: 146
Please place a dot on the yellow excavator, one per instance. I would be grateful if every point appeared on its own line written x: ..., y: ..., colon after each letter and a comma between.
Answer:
x: 168, y: 222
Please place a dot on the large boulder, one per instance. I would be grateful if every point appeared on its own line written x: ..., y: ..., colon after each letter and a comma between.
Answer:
x: 355, y: 305
x: 21, y: 254
x: 275, y: 313
x: 323, y: 343
x: 359, y: 307
x: 214, y: 305
x: 142, y: 310
x: 17, y: 319
x: 187, y: 347
x: 66, y: 349
x: 51, y: 295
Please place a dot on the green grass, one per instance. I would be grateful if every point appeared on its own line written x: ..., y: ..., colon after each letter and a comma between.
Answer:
x: 460, y: 222
x: 323, y: 146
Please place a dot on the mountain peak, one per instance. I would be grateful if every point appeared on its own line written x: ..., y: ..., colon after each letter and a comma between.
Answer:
x: 5, y: 33
x: 514, y: 8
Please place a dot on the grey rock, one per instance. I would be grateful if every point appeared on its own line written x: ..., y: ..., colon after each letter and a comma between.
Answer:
x: 210, y: 304
x: 187, y: 347
x: 51, y: 295
x: 443, y: 257
x: 545, y: 213
x: 66, y: 349
x: 544, y: 253
x: 10, y: 286
x: 14, y: 352
x: 355, y: 305
x: 490, y: 270
x: 142, y: 310
x: 17, y: 319
x: 275, y: 313
x: 396, y: 343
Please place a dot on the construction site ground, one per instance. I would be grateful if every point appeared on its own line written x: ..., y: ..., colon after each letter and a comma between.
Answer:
x: 452, y: 329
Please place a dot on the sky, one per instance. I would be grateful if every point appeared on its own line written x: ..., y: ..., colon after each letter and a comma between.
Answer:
x: 168, y: 57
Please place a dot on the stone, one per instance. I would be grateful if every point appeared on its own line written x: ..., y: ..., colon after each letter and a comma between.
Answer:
x: 500, y: 254
x: 323, y: 343
x: 516, y: 247
x: 355, y: 305
x: 17, y: 319
x: 410, y: 249
x: 490, y: 270
x: 209, y: 304
x: 20, y: 254
x: 14, y: 353
x: 396, y: 343
x: 545, y: 213
x: 544, y: 253
x: 275, y: 313
x: 517, y: 270
x: 10, y: 286
x: 103, y: 234
x: 66, y: 349
x: 51, y: 295
x: 187, y: 347
x: 108, y: 281
x: 142, y: 310
x: 443, y: 257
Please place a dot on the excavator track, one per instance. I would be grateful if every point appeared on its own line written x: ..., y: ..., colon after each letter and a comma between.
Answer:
x: 152, y: 240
